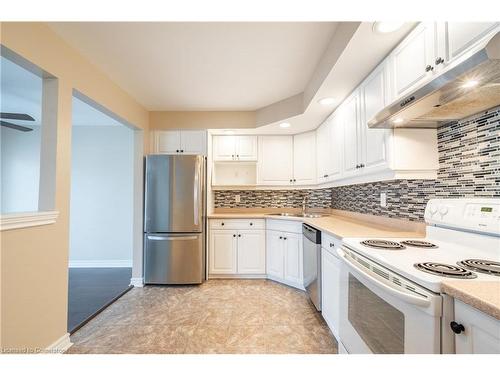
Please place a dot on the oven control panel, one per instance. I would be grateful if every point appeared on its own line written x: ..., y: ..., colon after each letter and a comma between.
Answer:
x: 477, y: 214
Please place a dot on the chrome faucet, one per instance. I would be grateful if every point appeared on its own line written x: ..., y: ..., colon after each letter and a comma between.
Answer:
x: 304, y: 205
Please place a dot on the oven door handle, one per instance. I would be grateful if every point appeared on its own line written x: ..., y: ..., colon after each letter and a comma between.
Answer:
x: 410, y: 298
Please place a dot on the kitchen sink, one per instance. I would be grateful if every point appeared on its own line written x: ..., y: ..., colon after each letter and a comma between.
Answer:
x: 311, y: 216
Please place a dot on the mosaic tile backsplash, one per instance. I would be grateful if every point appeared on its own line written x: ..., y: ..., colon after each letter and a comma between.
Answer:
x: 469, y: 166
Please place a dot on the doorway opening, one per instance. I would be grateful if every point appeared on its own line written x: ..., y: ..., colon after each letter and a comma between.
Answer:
x: 101, y: 211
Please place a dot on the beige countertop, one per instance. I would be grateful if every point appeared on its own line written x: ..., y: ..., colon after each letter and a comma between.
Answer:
x: 338, y: 225
x: 482, y: 295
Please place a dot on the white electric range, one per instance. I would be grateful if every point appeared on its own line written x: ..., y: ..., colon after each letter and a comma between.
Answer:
x: 391, y: 300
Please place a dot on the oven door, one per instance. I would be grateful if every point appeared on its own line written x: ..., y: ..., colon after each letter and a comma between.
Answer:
x: 381, y: 312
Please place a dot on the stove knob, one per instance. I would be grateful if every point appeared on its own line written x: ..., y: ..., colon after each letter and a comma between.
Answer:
x: 457, y: 327
x: 443, y: 210
x: 433, y: 209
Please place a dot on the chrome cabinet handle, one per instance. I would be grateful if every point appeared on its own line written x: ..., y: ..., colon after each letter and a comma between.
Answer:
x: 439, y: 60
x: 429, y: 68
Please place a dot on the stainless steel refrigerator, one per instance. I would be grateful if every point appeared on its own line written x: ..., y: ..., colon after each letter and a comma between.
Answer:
x: 174, y: 219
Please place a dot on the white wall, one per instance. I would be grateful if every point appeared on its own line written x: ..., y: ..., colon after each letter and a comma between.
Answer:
x: 101, y: 211
x: 20, y: 169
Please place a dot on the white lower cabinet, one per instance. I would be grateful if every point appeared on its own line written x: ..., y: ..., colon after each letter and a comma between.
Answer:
x: 275, y: 254
x: 475, y: 331
x: 284, y: 254
x: 251, y: 252
x: 223, y: 247
x: 330, y: 282
x: 236, y: 250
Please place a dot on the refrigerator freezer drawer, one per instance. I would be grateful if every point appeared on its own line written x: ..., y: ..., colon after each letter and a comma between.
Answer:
x: 173, y: 258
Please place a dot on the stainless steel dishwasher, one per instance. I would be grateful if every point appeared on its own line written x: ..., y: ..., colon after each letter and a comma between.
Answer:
x: 312, y: 264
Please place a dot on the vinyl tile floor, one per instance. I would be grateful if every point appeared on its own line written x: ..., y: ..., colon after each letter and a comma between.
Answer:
x: 219, y: 316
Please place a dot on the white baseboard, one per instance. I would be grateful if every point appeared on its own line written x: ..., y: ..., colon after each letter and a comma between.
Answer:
x: 137, y: 282
x: 112, y: 263
x: 59, y: 346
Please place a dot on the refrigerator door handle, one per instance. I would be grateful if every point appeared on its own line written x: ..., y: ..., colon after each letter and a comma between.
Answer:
x: 171, y: 238
x: 196, y: 191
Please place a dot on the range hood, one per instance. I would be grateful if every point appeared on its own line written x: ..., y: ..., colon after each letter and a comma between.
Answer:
x: 468, y: 87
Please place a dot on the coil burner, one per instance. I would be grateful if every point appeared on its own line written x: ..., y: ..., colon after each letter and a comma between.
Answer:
x: 383, y: 244
x: 446, y: 270
x: 483, y: 266
x: 419, y: 243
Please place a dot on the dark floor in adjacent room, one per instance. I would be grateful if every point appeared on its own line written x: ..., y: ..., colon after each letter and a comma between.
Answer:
x: 91, y: 289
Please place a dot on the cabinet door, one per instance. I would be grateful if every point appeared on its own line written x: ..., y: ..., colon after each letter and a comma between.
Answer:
x: 222, y: 252
x: 246, y: 148
x: 374, y: 141
x: 274, y: 254
x: 481, y: 333
x: 193, y: 142
x: 293, y: 258
x: 224, y: 147
x: 322, y: 150
x: 350, y: 119
x: 412, y: 56
x: 461, y: 36
x: 330, y: 292
x: 335, y: 147
x: 275, y: 160
x: 251, y: 252
x: 304, y: 158
x: 167, y: 142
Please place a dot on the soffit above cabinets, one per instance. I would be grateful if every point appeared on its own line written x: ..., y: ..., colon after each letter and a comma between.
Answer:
x: 277, y: 70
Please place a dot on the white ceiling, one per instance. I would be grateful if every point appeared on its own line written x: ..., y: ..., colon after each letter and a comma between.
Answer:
x: 203, y: 65
x: 21, y: 92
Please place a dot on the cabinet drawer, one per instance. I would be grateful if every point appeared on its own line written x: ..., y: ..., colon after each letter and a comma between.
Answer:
x: 291, y: 226
x: 236, y: 223
x: 330, y: 243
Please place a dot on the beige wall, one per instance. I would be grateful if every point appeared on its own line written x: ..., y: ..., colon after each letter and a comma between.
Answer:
x: 34, y: 260
x: 161, y: 120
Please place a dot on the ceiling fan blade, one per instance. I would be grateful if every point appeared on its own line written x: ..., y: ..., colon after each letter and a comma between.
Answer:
x: 16, y: 116
x: 14, y: 126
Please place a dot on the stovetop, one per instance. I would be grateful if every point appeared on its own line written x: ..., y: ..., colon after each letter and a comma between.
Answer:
x: 444, y: 254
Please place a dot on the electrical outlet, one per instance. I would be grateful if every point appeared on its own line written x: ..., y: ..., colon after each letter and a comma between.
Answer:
x: 237, y: 198
x: 383, y: 199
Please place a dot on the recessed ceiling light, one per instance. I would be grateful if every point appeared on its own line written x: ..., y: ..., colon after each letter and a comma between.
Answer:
x: 229, y: 132
x: 384, y: 27
x: 470, y: 83
x: 398, y: 120
x: 326, y: 101
x: 285, y: 125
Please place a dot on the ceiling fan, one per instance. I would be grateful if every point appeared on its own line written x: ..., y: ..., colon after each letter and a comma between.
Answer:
x: 15, y: 116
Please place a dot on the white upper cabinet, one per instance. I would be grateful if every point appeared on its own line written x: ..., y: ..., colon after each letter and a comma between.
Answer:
x: 329, y: 143
x: 235, y: 148
x: 350, y: 116
x: 275, y: 166
x: 190, y: 142
x: 374, y: 97
x: 167, y: 142
x: 304, y: 158
x: 413, y: 60
x: 460, y: 37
